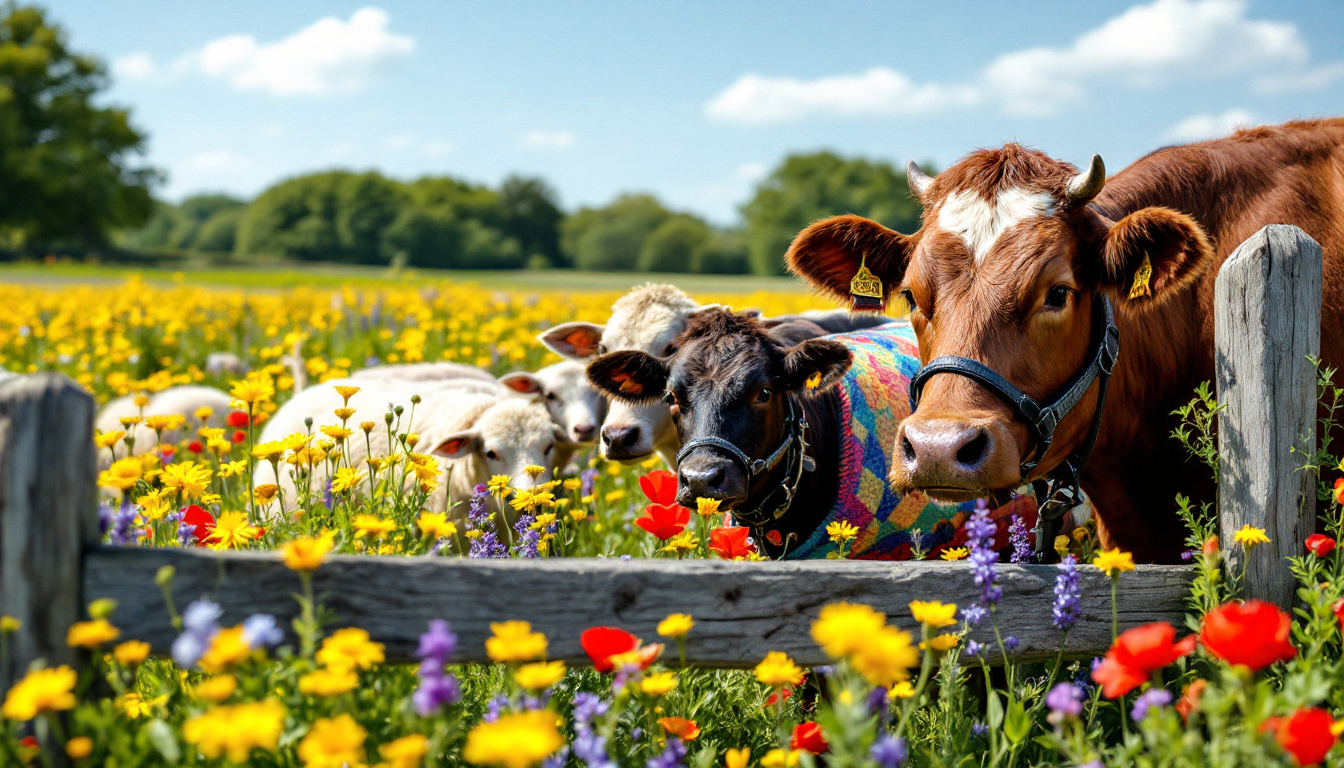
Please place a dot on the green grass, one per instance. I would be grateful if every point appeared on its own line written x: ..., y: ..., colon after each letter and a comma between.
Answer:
x: 321, y: 275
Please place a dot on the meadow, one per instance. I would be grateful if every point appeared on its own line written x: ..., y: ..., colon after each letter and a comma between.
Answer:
x: 1241, y: 684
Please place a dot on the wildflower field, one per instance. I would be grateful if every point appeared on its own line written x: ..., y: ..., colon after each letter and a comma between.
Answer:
x: 1242, y: 684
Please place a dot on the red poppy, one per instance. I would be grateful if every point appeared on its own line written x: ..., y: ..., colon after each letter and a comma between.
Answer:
x: 683, y: 729
x: 1339, y: 613
x: 786, y: 692
x: 203, y: 522
x: 730, y: 543
x: 1339, y: 491
x: 601, y: 643
x: 1211, y: 546
x: 239, y: 436
x: 1190, y: 698
x: 660, y: 487
x: 1305, y: 734
x: 1251, y: 634
x: 809, y: 738
x: 1136, y: 654
x: 1320, y: 545
x: 195, y: 446
x: 236, y: 419
x: 774, y: 538
x: 664, y: 520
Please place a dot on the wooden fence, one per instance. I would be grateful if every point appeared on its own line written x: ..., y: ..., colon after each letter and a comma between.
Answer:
x: 51, y: 565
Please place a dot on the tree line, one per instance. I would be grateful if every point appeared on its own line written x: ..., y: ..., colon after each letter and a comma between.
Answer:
x: 72, y: 179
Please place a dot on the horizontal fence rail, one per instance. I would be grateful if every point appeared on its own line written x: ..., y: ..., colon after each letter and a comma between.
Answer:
x: 51, y: 565
x: 741, y: 610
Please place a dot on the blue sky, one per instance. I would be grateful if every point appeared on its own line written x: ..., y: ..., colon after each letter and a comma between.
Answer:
x: 692, y: 101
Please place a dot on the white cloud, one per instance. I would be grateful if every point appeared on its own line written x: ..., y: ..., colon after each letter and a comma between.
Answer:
x: 1314, y: 79
x: 134, y: 66
x: 216, y: 161
x: 548, y: 139
x: 1201, y: 127
x: 877, y: 92
x: 328, y: 56
x: 751, y: 171
x: 1148, y: 45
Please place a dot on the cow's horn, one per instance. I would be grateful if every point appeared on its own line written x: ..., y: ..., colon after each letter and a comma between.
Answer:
x: 919, y: 180
x: 1087, y: 184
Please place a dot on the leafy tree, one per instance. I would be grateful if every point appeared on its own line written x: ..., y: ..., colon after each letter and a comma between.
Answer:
x: 805, y: 188
x: 722, y: 254
x: 219, y: 233
x: 333, y: 216
x: 669, y: 247
x: 532, y: 216
x: 611, y: 238
x: 67, y: 171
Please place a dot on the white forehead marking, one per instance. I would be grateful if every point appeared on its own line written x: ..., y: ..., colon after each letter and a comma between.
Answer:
x: 979, y: 222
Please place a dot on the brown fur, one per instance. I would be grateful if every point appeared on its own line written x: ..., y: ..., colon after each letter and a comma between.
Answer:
x: 1187, y: 208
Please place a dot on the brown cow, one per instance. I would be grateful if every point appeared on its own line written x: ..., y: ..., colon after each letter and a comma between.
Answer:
x: 1014, y: 253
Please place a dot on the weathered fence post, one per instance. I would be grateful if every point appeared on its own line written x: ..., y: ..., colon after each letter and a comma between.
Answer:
x: 48, y: 514
x: 1267, y: 321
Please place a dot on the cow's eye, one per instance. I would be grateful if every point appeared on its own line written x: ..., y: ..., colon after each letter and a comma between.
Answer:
x: 1058, y: 296
x: 547, y: 452
x: 491, y: 455
x: 669, y: 349
x: 551, y: 396
x: 764, y: 395
x: 669, y: 398
x: 909, y: 300
x: 601, y: 348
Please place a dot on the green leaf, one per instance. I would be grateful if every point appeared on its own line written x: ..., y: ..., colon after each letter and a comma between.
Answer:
x: 161, y: 736
x: 1016, y: 725
x: 994, y: 711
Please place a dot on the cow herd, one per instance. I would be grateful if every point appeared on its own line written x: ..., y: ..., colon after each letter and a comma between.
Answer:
x: 1023, y: 276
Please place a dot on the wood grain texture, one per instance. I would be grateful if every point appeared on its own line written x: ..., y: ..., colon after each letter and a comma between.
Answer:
x: 1267, y: 321
x: 48, y: 513
x: 742, y: 610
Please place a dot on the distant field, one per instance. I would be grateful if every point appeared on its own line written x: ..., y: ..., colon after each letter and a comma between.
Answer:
x: 333, y: 275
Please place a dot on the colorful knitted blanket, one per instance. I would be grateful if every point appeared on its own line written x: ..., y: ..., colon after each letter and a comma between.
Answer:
x: 874, y: 398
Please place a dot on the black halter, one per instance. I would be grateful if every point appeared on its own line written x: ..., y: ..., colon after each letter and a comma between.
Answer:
x: 794, y: 447
x: 1058, y: 492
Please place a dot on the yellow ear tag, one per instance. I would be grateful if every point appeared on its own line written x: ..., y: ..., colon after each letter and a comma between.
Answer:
x: 865, y: 290
x: 814, y: 380
x: 1141, y: 278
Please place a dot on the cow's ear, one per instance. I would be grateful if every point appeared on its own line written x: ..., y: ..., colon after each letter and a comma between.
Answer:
x: 1151, y: 253
x: 457, y: 445
x: 829, y: 254
x: 522, y: 382
x: 575, y: 341
x: 815, y: 365
x: 629, y: 375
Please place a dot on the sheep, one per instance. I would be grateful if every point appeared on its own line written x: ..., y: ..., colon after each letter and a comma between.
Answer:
x: 184, y: 401
x: 475, y: 434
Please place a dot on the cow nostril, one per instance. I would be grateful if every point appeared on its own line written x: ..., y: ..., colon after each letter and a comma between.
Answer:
x: 973, y: 452
x: 907, y: 450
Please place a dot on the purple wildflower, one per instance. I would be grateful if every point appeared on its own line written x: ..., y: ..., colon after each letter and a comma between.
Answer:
x: 587, y: 481
x: 888, y: 751
x: 980, y: 532
x: 104, y: 517
x: 973, y: 614
x: 1010, y: 643
x: 437, y: 689
x: 672, y: 757
x: 1150, y: 699
x: 123, y: 531
x: 973, y: 648
x: 487, y: 545
x: 877, y: 703
x: 1064, y: 700
x: 590, y: 747
x: 495, y: 708
x: 1067, y: 608
x: 979, y: 729
x: 557, y: 760
x: 200, y: 622
x: 1020, y: 539
x: 528, y: 539
x: 438, y: 643
x: 186, y: 532
x: 260, y: 630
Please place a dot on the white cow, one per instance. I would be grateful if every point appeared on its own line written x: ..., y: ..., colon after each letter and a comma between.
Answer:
x: 649, y: 318
x: 477, y: 434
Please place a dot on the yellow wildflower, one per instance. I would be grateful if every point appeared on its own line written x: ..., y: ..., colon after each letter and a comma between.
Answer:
x: 499, y: 484
x: 737, y: 758
x: 336, y: 433
x: 108, y: 439
x: 778, y: 670
x: 232, y: 531
x: 944, y: 642
x: 227, y: 648
x: 187, y: 477
x: 514, y: 740
x: 675, y: 625
x: 706, y: 507
x: 344, y: 414
x: 406, y: 752
x: 91, y: 634
x: 658, y: 684
x: 122, y: 475
x: 9, y: 625
x: 203, y: 413
x: 350, y: 647
x: 901, y: 690
x: 682, y: 542
x: 435, y: 525
x: 42, y: 690
x: 514, y: 641
x: 253, y: 390
x: 886, y: 656
x: 841, y: 531
x: 329, y: 681
x: 934, y: 613
x: 539, y: 675
x: 373, y: 526
x: 131, y: 652
x: 841, y: 629
x: 1114, y: 562
x: 534, y: 471
x: 346, y: 391
x: 233, y: 732
x: 216, y: 689
x: 232, y: 468
x: 266, y: 493
x: 165, y: 422
x: 573, y: 484
x: 307, y: 553
x: 955, y: 553
x: 335, y: 742
x: 614, y: 496
x: 345, y: 479
x: 778, y: 758
x: 269, y: 450
x: 79, y: 747
x: 1249, y: 536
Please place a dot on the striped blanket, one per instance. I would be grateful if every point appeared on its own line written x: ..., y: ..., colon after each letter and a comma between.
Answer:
x: 874, y: 398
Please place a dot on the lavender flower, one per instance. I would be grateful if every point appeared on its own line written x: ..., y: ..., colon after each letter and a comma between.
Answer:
x: 495, y: 708
x: 438, y: 643
x: 589, y: 746
x: 1064, y: 700
x: 888, y: 751
x: 261, y: 631
x: 587, y: 481
x: 1010, y: 643
x: 186, y: 532
x: 557, y: 760
x: 528, y: 539
x: 673, y: 756
x: 877, y: 703
x: 979, y: 730
x: 200, y: 622
x: 1020, y: 539
x: 104, y: 517
x: 1067, y: 594
x: 1187, y: 555
x: 980, y: 532
x: 973, y: 649
x: 487, y: 545
x: 122, y: 530
x: 973, y: 614
x: 1150, y: 699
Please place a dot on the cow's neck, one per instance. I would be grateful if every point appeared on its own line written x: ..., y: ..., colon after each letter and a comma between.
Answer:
x: 817, y: 490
